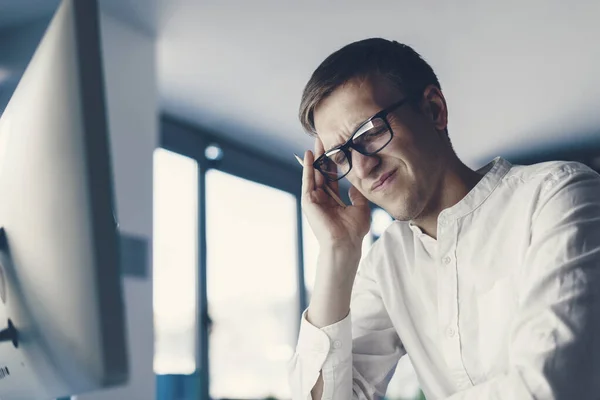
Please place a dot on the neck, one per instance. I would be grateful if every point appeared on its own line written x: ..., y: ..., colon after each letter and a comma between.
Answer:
x: 457, y: 181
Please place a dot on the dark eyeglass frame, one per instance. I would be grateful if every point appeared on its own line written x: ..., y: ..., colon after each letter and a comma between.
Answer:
x: 350, y: 144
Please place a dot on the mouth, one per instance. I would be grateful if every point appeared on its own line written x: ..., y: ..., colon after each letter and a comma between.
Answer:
x: 383, y: 181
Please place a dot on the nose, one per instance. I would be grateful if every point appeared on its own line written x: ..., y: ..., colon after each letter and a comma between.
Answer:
x: 362, y: 165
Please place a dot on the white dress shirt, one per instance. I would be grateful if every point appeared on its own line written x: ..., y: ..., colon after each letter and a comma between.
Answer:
x: 505, y: 304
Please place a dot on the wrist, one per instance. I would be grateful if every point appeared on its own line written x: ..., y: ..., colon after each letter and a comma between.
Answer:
x: 340, y: 248
x: 336, y: 267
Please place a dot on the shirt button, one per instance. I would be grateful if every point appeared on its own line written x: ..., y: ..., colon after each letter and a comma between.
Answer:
x: 446, y: 260
x: 337, y: 344
x: 450, y: 332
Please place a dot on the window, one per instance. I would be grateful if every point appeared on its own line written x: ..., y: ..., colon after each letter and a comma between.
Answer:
x: 175, y: 262
x: 251, y: 270
x: 252, y: 286
x: 380, y: 221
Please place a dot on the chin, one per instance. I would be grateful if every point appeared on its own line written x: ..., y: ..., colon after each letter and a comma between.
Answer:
x: 394, y: 211
x: 403, y: 211
x: 401, y: 217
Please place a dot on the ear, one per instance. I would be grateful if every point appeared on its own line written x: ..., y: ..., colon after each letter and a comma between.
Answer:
x: 434, y: 106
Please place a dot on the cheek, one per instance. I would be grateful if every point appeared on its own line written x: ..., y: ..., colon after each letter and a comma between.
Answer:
x: 403, y: 136
x: 354, y: 181
x: 396, y: 150
x: 409, y: 145
x: 358, y: 184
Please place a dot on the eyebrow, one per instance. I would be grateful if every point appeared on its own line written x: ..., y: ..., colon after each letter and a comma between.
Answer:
x: 354, y: 129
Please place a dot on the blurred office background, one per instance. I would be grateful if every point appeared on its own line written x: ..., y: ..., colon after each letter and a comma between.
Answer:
x: 202, y: 100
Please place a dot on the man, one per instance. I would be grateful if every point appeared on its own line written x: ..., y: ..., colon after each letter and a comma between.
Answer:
x: 489, y: 280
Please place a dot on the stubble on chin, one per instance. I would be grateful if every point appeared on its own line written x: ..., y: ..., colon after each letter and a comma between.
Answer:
x: 405, y: 206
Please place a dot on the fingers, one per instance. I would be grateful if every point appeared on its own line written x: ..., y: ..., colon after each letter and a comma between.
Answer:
x: 308, y: 174
x: 357, y: 197
x: 312, y: 179
x: 319, y: 150
x: 321, y: 180
x: 334, y: 186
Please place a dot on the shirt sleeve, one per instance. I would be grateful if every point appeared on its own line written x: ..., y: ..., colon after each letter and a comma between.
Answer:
x: 554, y: 347
x: 357, y: 355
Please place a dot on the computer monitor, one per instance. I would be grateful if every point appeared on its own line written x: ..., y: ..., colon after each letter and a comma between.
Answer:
x: 61, y: 300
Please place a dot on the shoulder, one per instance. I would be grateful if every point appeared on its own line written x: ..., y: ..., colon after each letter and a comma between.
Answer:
x: 397, y: 238
x: 548, y: 172
x: 567, y: 194
x: 553, y: 188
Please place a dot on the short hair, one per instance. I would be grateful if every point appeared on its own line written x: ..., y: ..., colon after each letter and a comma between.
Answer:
x: 396, y: 62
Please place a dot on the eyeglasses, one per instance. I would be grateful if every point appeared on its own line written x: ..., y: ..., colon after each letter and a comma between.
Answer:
x: 370, y: 138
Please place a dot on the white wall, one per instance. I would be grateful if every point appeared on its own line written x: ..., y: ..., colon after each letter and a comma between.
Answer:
x: 131, y: 92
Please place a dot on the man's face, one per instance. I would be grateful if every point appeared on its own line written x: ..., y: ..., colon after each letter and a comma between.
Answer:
x: 415, y: 157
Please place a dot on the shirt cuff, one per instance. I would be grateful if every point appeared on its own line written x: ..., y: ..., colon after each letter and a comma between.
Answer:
x: 327, y: 349
x: 332, y: 340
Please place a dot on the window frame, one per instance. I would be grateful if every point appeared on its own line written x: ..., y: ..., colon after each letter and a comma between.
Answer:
x: 190, y: 141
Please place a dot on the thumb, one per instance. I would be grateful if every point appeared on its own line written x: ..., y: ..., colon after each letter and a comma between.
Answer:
x: 357, y: 197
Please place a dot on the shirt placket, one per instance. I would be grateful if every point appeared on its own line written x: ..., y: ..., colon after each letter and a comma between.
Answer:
x: 447, y: 286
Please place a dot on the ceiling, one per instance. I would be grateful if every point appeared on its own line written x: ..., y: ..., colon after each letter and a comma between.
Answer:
x: 518, y: 76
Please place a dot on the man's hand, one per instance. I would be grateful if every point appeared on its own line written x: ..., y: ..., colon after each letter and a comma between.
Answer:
x: 333, y: 225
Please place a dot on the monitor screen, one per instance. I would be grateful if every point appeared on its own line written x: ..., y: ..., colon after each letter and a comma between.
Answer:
x: 61, y: 301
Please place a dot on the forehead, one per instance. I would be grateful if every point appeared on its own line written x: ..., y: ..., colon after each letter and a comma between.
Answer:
x: 341, y: 113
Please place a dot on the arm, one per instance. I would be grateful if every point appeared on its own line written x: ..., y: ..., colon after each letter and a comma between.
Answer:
x: 323, y: 362
x: 554, y: 346
x: 330, y: 302
x: 353, y: 358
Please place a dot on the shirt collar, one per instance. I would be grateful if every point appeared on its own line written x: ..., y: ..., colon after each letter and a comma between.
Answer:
x: 493, y: 172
